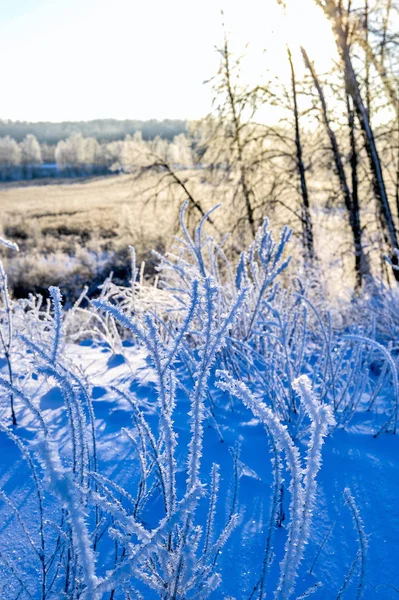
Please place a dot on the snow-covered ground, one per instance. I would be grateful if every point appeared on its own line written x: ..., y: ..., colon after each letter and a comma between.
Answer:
x: 352, y: 458
x: 222, y: 440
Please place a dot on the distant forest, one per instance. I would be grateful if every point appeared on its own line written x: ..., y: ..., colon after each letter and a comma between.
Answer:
x: 103, y: 130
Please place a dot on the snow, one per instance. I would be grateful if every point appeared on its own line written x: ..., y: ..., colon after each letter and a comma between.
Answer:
x: 353, y: 458
x: 106, y: 481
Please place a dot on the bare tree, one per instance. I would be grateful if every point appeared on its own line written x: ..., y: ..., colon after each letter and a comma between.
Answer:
x: 235, y: 105
x: 306, y: 216
x: 351, y: 199
x: 340, y: 19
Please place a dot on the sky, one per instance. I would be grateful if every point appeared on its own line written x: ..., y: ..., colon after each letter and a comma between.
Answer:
x: 88, y: 59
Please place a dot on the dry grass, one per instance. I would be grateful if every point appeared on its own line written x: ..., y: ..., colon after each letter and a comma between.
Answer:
x: 103, y: 205
x: 71, y: 232
x: 74, y: 232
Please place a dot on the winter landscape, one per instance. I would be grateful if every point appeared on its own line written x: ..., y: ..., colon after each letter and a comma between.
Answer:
x: 199, y: 316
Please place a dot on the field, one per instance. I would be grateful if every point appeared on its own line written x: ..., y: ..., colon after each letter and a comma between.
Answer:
x: 74, y: 232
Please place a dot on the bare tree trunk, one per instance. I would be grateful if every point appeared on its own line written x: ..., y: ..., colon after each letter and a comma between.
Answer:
x: 351, y: 200
x: 306, y: 216
x: 379, y: 66
x: 352, y: 87
x: 362, y: 265
x: 366, y: 33
x: 374, y: 160
x: 246, y: 188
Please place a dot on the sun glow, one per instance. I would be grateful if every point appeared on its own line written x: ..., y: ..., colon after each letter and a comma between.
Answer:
x: 270, y: 28
x: 85, y: 59
x: 304, y: 24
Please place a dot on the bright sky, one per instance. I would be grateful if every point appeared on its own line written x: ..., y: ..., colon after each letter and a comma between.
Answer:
x: 87, y: 59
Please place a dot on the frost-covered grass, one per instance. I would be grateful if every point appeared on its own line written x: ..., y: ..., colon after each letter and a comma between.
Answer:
x: 218, y: 435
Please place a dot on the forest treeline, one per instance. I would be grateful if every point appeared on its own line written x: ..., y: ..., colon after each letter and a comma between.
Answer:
x: 103, y: 130
x: 80, y: 156
x: 73, y: 149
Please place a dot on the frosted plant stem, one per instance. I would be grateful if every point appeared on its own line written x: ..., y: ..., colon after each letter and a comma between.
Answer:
x: 39, y: 492
x: 321, y: 418
x: 7, y: 344
x: 362, y: 539
x: 215, y: 479
x: 302, y: 487
x: 277, y: 487
x: 394, y: 371
x: 321, y: 547
x: 289, y: 565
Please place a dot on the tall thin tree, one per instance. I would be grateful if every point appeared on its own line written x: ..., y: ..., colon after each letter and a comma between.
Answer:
x: 335, y: 13
x: 351, y: 199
